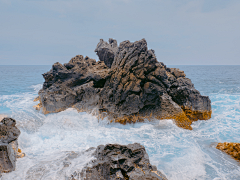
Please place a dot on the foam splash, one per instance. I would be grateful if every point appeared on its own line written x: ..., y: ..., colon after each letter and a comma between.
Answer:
x: 48, y: 140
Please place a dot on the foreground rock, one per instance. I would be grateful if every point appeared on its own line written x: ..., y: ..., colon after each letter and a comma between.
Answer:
x: 114, y: 161
x: 8, y: 145
x: 128, y: 84
x: 232, y: 149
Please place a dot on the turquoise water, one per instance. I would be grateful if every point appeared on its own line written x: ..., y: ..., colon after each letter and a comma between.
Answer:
x: 180, y: 154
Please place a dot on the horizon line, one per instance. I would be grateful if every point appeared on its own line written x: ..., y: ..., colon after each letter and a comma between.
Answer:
x: 165, y: 64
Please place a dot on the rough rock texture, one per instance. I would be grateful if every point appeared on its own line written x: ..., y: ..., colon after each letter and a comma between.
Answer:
x: 8, y: 145
x: 232, y: 149
x: 78, y: 81
x: 114, y: 161
x: 132, y: 86
x: 106, y: 52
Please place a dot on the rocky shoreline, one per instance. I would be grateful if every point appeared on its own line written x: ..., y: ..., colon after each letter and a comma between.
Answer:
x: 127, y: 85
x: 109, y: 162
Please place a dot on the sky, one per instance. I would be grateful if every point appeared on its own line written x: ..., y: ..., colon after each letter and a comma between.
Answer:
x: 182, y: 32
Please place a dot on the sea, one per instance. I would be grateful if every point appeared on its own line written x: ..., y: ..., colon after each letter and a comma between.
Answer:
x: 49, y: 141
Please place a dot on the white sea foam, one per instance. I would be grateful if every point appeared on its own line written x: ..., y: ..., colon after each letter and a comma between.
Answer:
x: 36, y: 87
x: 48, y: 140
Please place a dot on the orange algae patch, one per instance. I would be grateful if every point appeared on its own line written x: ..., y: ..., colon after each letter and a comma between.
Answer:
x: 39, y: 105
x: 181, y: 120
x: 232, y: 149
x: 20, y: 154
x: 129, y: 119
x: 197, y: 115
x: 37, y: 99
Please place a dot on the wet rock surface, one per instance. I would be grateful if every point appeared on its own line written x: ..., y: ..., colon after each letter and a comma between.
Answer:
x: 128, y: 84
x: 233, y: 149
x: 8, y: 145
x: 114, y: 161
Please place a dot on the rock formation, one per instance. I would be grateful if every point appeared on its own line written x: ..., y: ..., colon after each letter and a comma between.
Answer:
x: 128, y: 84
x: 114, y: 161
x: 8, y: 145
x: 232, y: 149
x: 106, y: 52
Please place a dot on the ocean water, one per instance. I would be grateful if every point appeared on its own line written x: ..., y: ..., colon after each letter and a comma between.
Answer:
x: 54, y: 140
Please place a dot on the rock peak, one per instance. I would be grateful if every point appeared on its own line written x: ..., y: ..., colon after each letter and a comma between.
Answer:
x: 106, y: 51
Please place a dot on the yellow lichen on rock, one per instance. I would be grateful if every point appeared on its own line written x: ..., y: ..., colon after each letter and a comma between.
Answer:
x: 232, y: 149
x: 37, y: 99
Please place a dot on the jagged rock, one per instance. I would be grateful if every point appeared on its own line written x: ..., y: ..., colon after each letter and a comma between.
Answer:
x: 106, y: 52
x: 133, y: 86
x: 8, y: 145
x: 114, y: 161
x: 232, y: 149
x: 67, y: 84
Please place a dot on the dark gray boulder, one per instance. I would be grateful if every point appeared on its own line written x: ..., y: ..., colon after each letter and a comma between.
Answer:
x: 8, y: 145
x: 128, y: 84
x: 114, y: 161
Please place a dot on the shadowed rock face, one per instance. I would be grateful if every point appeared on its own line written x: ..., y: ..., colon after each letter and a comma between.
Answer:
x: 128, y: 84
x: 114, y: 161
x: 8, y: 145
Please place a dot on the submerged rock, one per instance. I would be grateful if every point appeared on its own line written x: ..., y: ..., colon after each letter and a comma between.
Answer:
x: 114, y: 161
x: 8, y: 145
x: 128, y: 84
x: 232, y: 149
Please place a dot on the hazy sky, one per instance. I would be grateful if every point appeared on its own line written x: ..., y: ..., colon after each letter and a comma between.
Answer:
x: 182, y: 32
